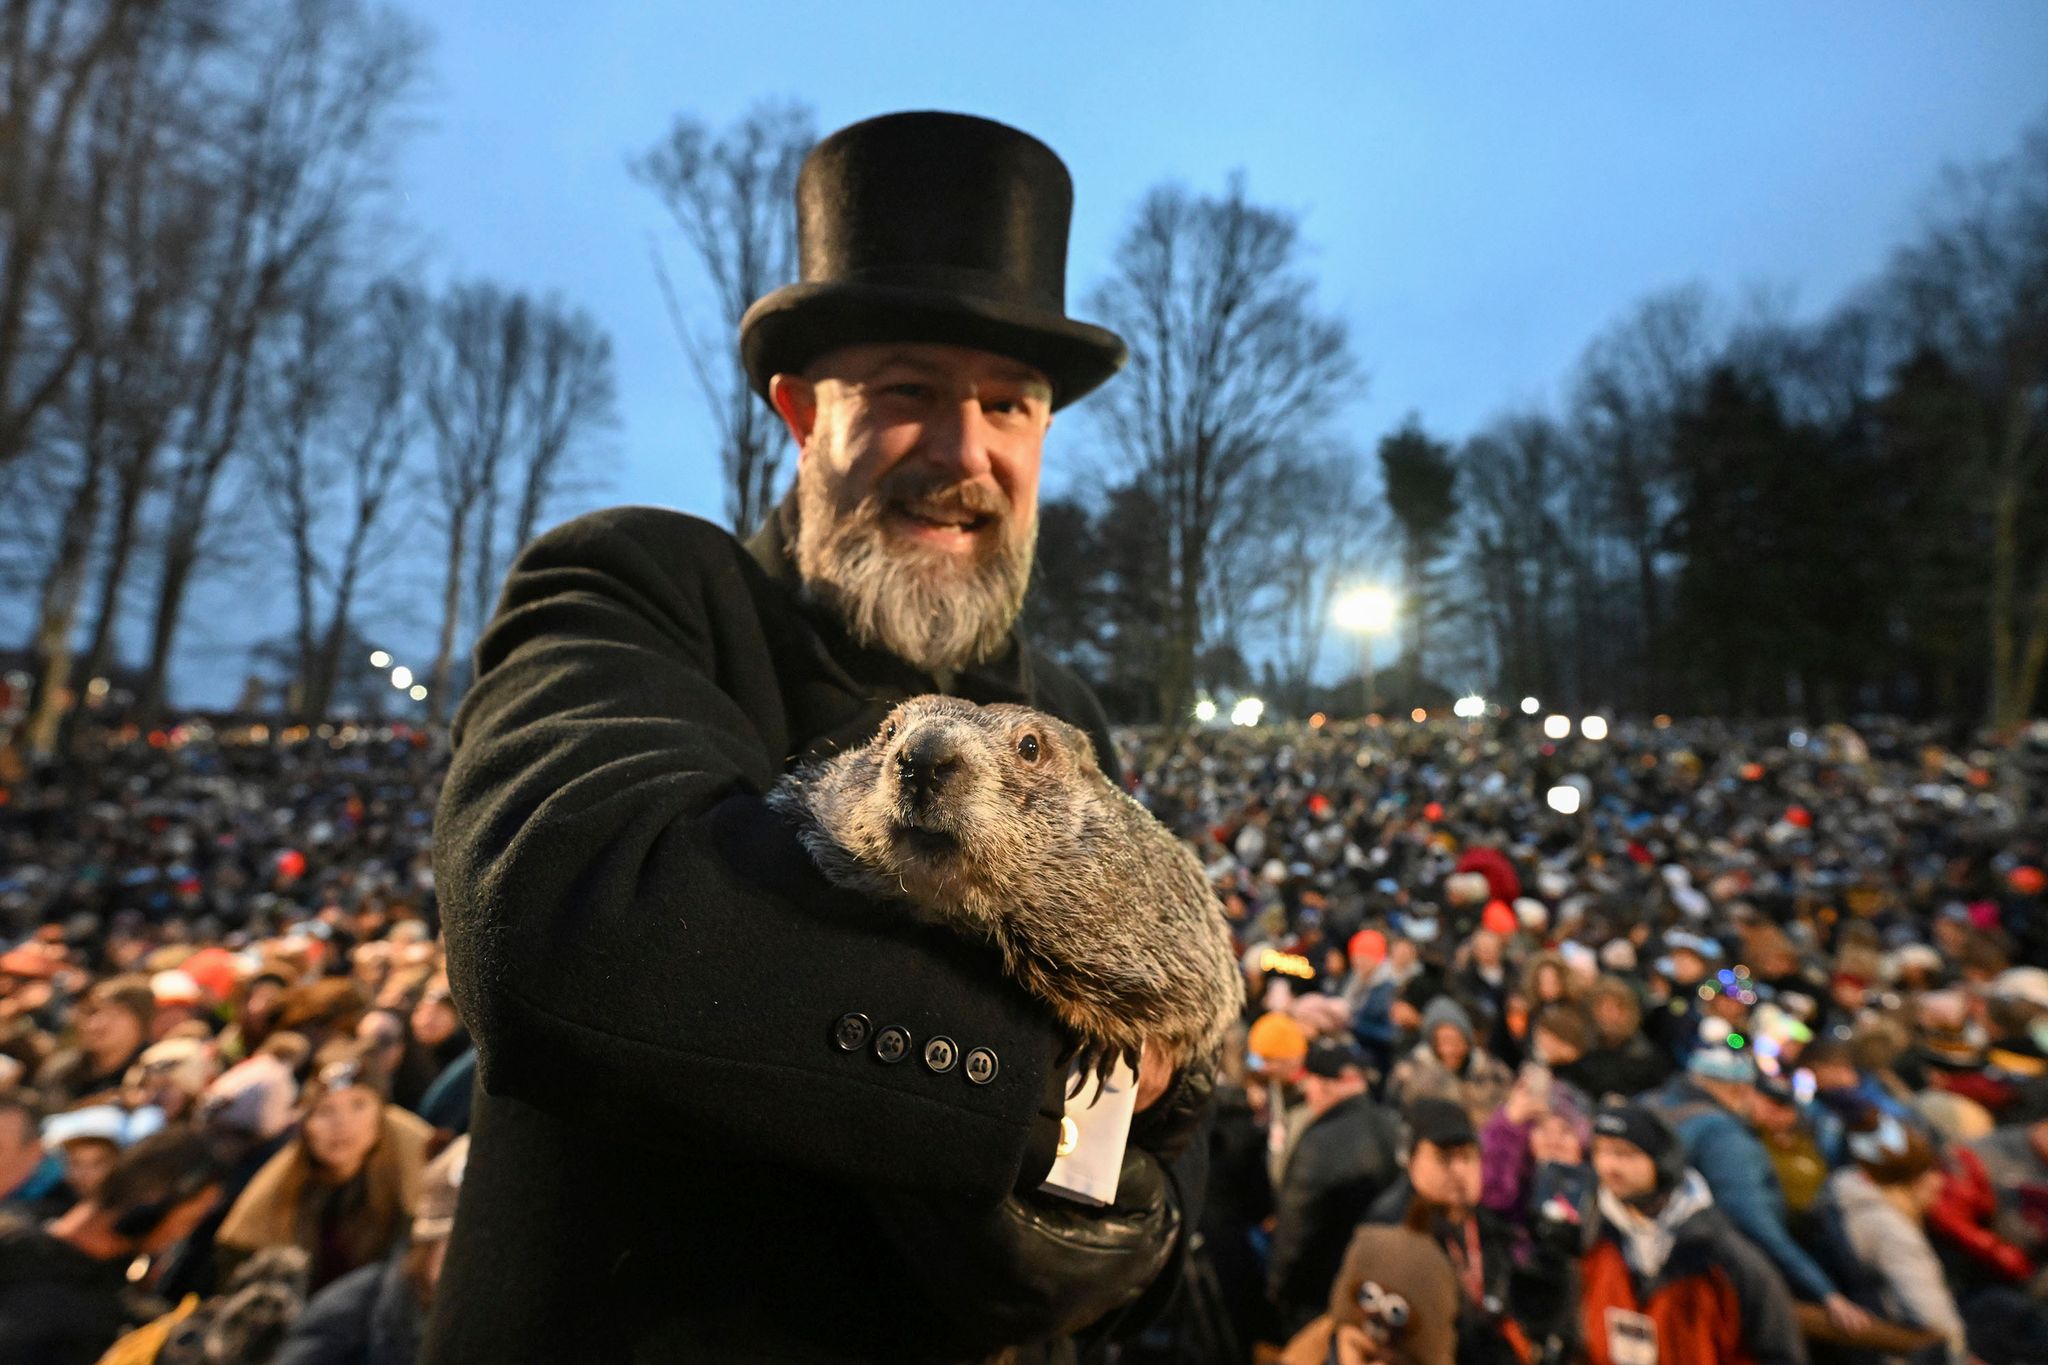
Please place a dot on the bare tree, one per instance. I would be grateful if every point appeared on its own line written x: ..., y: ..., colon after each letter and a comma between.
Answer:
x: 335, y: 429
x: 473, y: 378
x: 1323, y: 533
x: 1231, y: 364
x: 1631, y: 382
x: 732, y: 195
x: 568, y: 397
x: 308, y: 105
x: 1974, y: 288
x: 55, y: 54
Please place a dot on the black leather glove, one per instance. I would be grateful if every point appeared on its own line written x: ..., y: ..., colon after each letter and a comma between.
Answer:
x: 1034, y: 1266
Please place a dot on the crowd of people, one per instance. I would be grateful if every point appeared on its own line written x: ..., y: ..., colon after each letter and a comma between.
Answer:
x: 1740, y: 1055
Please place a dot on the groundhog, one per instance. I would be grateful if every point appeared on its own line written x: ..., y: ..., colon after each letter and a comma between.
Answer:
x: 997, y: 821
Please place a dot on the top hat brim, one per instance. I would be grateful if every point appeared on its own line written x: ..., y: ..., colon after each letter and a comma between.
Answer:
x: 786, y: 330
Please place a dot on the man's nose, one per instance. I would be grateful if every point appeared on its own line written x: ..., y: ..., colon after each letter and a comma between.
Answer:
x: 958, y: 442
x: 926, y: 762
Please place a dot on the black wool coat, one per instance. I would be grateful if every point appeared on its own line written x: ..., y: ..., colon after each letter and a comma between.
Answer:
x: 694, y: 1136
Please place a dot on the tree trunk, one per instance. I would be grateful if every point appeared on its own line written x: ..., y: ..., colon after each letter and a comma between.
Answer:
x: 99, y: 657
x: 180, y: 555
x: 58, y: 612
x: 451, y: 613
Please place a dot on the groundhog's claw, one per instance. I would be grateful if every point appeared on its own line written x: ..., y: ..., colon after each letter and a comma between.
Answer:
x: 1099, y: 1060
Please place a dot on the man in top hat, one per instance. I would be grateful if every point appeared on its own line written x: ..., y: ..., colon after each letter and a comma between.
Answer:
x: 726, y: 1110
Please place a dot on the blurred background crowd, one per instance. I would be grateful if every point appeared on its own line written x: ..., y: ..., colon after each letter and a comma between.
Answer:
x: 1750, y: 1036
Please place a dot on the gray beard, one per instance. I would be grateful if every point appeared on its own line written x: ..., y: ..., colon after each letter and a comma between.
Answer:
x: 921, y: 605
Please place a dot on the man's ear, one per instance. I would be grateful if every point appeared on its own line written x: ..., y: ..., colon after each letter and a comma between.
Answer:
x: 796, y: 402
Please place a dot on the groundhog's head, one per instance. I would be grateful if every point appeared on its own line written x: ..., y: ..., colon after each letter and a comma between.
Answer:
x: 948, y: 794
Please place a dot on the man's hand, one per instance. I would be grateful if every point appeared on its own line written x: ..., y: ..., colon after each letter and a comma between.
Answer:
x: 1312, y: 1345
x: 1845, y: 1314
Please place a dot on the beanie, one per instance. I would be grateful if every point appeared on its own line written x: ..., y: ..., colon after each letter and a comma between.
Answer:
x: 1647, y: 1131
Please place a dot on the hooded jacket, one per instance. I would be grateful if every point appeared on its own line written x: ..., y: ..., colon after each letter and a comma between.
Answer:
x: 1738, y: 1170
x: 1712, y: 1299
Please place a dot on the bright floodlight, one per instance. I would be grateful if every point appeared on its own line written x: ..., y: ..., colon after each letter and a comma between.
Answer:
x: 1557, y: 727
x: 419, y: 692
x: 1247, y: 711
x: 1469, y: 708
x: 379, y: 659
x: 1205, y: 710
x: 401, y: 677
x: 1368, y: 611
x: 1530, y: 706
x: 1594, y: 727
x: 1564, y: 799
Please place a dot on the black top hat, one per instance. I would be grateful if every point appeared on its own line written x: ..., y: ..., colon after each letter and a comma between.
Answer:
x: 931, y: 227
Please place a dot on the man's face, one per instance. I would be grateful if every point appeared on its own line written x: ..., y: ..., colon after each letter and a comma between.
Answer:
x: 1449, y: 1176
x: 917, y: 493
x: 1624, y: 1169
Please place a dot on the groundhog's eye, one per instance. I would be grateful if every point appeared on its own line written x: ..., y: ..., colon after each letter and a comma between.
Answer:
x: 1027, y: 748
x: 888, y: 732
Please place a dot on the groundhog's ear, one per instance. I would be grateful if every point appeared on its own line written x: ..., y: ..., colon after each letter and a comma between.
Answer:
x: 1078, y: 744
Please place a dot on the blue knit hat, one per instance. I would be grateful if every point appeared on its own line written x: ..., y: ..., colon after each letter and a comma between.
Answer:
x: 1721, y: 1055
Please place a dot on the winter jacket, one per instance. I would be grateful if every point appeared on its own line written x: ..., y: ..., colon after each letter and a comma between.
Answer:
x: 1895, y: 1250
x: 370, y: 1316
x: 58, y: 1306
x: 686, y: 1144
x: 1738, y: 1170
x: 1715, y: 1301
x: 1342, y: 1161
x: 1480, y: 1085
x: 1963, y: 1220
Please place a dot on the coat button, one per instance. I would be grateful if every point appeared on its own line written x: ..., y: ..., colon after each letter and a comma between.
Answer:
x: 941, y: 1055
x: 981, y: 1066
x: 850, y: 1034
x: 892, y: 1044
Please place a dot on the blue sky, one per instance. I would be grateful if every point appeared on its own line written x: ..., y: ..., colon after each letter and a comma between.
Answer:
x: 1484, y: 185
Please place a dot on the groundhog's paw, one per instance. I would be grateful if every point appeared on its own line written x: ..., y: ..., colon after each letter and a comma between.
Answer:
x: 1097, y: 1060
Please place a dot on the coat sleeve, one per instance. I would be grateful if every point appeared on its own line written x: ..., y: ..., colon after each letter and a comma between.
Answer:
x: 1740, y: 1177
x: 1770, y: 1330
x: 639, y: 944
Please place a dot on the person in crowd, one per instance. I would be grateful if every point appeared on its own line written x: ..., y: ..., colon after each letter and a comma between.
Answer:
x: 1394, y: 1302
x: 64, y: 1286
x: 115, y: 1023
x: 342, y: 1190
x: 1711, y: 1104
x: 1448, y: 1063
x: 1439, y: 1197
x: 436, y: 1040
x: 1881, y: 1200
x: 1621, y: 1060
x: 32, y: 1182
x: 1542, y: 1121
x: 1342, y: 1161
x: 1780, y: 1124
x: 1667, y: 1277
x: 1378, y: 1023
x: 377, y: 1315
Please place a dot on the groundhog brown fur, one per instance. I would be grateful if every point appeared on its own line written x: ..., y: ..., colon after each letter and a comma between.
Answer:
x: 998, y: 822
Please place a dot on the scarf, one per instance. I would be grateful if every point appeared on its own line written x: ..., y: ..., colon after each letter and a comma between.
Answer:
x: 1647, y: 1240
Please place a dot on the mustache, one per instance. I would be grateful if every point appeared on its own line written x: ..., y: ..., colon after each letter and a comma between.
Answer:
x: 929, y: 495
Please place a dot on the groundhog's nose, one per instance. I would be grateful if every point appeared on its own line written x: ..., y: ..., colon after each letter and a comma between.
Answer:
x: 926, y: 762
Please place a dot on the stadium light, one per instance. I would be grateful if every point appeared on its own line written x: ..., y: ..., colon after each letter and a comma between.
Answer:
x: 1247, y: 711
x: 1594, y: 727
x: 1563, y: 798
x: 1205, y: 710
x: 1530, y: 706
x: 1469, y: 708
x: 379, y: 659
x: 418, y: 692
x: 1557, y: 727
x: 401, y: 677
x: 1367, y: 611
